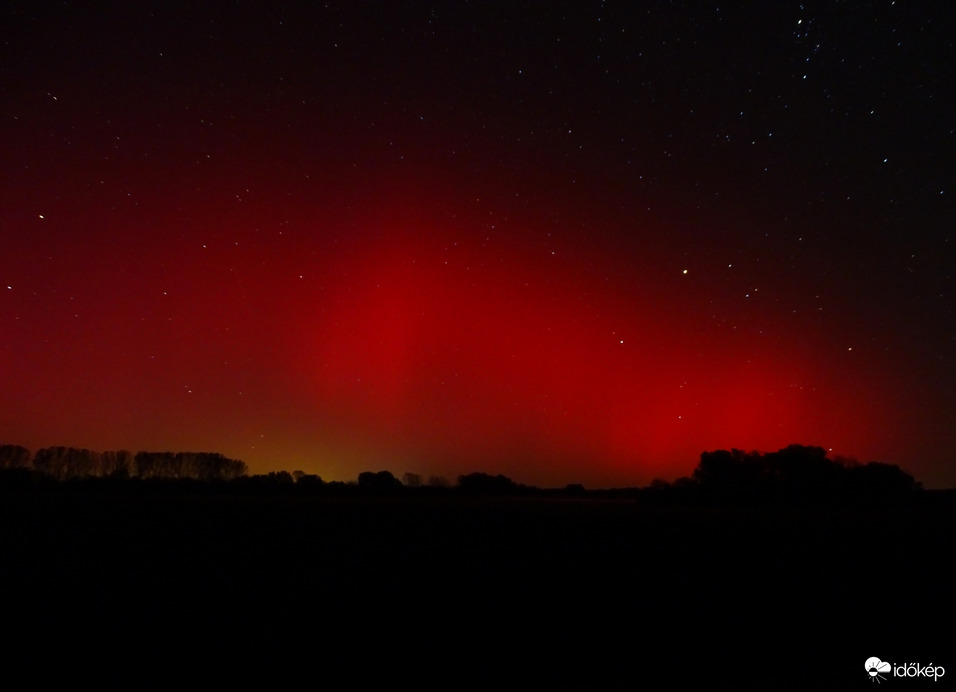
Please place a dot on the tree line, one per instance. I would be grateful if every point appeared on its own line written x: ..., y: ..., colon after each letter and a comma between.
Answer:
x: 66, y: 463
x: 794, y: 474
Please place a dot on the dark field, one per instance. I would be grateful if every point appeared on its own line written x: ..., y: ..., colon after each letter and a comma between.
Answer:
x: 486, y: 593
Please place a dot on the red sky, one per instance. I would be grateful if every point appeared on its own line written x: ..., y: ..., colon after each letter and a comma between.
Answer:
x: 414, y: 335
x: 327, y: 243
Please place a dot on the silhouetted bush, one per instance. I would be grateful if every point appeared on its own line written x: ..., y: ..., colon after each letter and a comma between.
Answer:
x: 485, y: 484
x: 381, y: 481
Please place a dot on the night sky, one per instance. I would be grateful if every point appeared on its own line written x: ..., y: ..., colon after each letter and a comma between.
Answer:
x: 563, y: 241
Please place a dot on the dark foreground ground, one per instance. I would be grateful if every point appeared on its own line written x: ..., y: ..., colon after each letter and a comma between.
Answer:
x: 471, y: 593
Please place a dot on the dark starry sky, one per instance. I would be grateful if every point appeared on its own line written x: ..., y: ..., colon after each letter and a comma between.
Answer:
x: 563, y: 241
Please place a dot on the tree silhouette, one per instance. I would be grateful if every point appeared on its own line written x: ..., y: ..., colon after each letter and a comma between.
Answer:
x: 203, y: 466
x: 730, y: 474
x: 381, y: 481
x: 62, y: 463
x: 117, y: 464
x: 796, y: 473
x: 14, y: 457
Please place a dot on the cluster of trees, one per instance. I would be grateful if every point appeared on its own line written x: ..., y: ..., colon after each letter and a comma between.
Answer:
x: 64, y: 463
x: 797, y: 472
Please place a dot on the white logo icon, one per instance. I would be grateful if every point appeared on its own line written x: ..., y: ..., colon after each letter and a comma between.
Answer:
x: 874, y: 667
